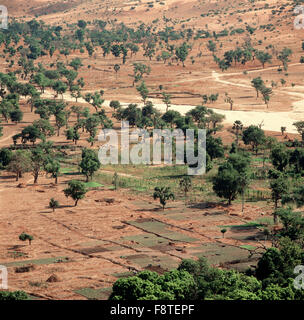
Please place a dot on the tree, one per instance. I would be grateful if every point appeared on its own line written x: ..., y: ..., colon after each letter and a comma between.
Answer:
x: 60, y: 120
x: 266, y: 93
x: 182, y: 53
x: 198, y: 114
x: 94, y: 99
x: 254, y: 136
x: 73, y: 134
x: 90, y: 48
x: 132, y: 47
x: 300, y: 128
x: 258, y: 84
x: 5, y: 157
x: 171, y: 116
x: 60, y: 88
x: 296, y: 160
x: 226, y: 184
x: 52, y: 166
x: 143, y: 91
x: 165, y: 55
x: 89, y: 163
x: 229, y: 100
x: 16, y: 115
x: 214, y: 147
x: 279, y: 156
x: 38, y: 158
x: 148, y: 285
x: 26, y: 237
x: 41, y: 80
x: 139, y: 70
x: 76, y: 190
x: 54, y: 204
x: 293, y: 224
x: 91, y: 124
x: 20, y: 163
x: 116, y: 50
x: 185, y: 184
x: 44, y: 127
x: 13, y: 296
x: 283, y: 56
x: 211, y: 46
x: 76, y: 64
x: 81, y: 24
x: 163, y: 194
x: 116, y: 68
x: 166, y: 100
x: 279, y: 187
x: 241, y: 163
x: 237, y: 128
x: 223, y: 231
x: 115, y: 104
x: 263, y: 57
x: 276, y: 266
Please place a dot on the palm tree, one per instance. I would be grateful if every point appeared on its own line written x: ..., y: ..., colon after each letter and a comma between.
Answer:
x: 164, y: 194
x: 237, y: 127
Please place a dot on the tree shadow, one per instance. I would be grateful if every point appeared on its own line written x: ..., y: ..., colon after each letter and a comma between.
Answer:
x: 8, y: 177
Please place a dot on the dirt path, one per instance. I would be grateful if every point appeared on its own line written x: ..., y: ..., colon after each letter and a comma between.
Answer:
x: 272, y: 120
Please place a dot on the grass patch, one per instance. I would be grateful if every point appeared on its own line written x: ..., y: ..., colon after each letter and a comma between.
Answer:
x: 248, y: 247
x: 95, y: 294
x: 66, y: 170
x: 93, y: 184
x: 35, y: 262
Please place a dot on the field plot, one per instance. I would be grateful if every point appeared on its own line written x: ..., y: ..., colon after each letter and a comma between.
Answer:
x: 109, y: 243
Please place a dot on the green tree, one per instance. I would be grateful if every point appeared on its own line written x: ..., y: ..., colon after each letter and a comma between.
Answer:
x: 266, y: 93
x: 5, y: 157
x: 241, y: 163
x: 143, y: 91
x: 94, y: 99
x: 279, y: 156
x: 254, y: 136
x: 163, y: 194
x: 237, y: 128
x: 54, y: 204
x: 226, y: 184
x: 20, y: 163
x: 76, y: 190
x: 283, y: 56
x: 139, y: 69
x: 52, y: 166
x: 13, y: 296
x: 258, y: 84
x: 89, y: 163
x: 263, y: 57
x: 26, y: 237
x: 182, y: 52
x: 279, y: 187
x: 38, y: 158
x: 166, y: 100
x: 300, y: 128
